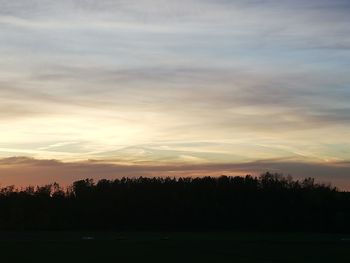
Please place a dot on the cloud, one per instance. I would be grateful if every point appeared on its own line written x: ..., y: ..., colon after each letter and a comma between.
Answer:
x: 230, y: 96
x: 111, y: 75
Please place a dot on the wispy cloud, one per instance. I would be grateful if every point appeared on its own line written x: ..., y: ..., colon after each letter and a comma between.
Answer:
x: 105, y: 79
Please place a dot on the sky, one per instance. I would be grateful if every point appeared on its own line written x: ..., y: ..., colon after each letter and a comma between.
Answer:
x: 106, y: 89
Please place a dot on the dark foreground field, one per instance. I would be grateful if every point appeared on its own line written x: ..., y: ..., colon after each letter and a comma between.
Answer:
x: 173, y: 247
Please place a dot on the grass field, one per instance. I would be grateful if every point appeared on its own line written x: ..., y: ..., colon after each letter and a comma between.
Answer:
x: 173, y: 247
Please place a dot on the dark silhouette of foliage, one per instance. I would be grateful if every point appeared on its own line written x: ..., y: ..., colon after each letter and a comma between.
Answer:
x: 270, y: 202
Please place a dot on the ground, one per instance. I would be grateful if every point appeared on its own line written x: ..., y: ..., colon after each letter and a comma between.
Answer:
x: 173, y: 247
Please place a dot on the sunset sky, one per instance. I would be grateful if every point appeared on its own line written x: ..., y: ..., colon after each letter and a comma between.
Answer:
x: 111, y: 88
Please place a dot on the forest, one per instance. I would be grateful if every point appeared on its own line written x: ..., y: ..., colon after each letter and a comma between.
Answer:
x: 269, y: 202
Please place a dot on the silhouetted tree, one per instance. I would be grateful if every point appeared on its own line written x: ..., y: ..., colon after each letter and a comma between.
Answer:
x: 270, y: 202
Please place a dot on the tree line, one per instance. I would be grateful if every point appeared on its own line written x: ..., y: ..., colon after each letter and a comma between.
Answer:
x: 270, y: 202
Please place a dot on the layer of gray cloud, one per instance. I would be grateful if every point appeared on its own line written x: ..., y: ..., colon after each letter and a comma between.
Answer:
x: 194, y: 69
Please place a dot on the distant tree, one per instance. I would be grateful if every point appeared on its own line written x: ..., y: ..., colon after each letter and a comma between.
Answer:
x: 269, y: 202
